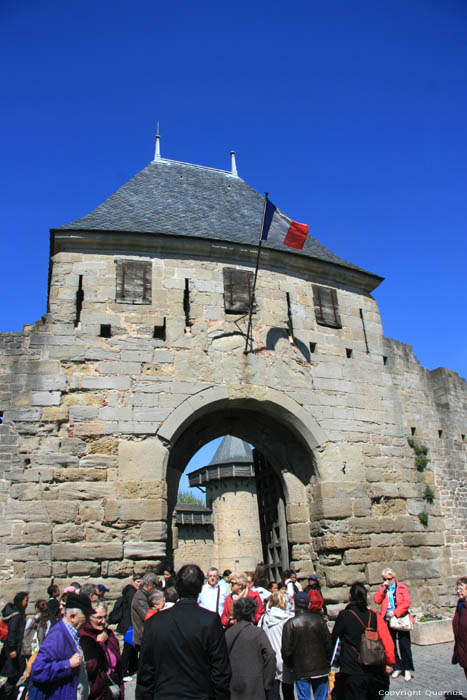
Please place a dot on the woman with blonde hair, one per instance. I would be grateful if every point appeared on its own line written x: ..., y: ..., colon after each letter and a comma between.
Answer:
x: 239, y: 588
x: 394, y: 598
x: 273, y: 622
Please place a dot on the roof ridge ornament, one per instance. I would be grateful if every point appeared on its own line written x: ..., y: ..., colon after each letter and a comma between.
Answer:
x: 234, y: 164
x: 157, y: 154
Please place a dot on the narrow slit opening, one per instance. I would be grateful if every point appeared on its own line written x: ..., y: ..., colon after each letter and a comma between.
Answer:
x: 312, y: 347
x: 348, y: 353
x: 159, y: 331
x: 413, y: 430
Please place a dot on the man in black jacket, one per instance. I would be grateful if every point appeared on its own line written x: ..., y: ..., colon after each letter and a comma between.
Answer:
x: 121, y: 616
x: 307, y: 649
x: 183, y: 651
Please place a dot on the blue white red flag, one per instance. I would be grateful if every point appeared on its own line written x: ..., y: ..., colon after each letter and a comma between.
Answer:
x: 279, y: 228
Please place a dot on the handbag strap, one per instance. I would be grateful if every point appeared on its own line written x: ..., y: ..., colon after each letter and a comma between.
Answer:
x: 229, y: 649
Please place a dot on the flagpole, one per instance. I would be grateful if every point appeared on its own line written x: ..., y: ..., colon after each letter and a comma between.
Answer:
x: 252, y: 300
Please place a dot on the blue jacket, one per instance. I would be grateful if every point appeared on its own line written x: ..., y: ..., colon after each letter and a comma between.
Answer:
x: 51, y: 669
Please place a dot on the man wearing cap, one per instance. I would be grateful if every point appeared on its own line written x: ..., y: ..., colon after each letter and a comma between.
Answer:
x: 307, y: 649
x: 59, y: 667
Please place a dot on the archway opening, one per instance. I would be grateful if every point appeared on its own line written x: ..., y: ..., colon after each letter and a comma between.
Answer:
x: 283, y: 465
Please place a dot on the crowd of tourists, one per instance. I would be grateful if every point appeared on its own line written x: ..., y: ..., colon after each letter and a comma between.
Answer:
x: 233, y: 636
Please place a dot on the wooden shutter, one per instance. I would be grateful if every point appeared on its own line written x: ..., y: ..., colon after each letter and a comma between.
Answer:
x: 238, y: 288
x: 326, y: 306
x: 134, y: 282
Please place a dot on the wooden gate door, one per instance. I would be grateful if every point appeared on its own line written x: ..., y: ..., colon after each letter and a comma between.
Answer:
x: 272, y: 520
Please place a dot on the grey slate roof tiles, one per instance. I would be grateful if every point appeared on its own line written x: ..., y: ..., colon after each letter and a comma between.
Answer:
x: 180, y: 199
x: 232, y: 450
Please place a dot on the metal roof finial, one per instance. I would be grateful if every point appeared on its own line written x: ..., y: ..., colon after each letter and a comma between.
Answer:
x: 234, y: 164
x: 157, y: 154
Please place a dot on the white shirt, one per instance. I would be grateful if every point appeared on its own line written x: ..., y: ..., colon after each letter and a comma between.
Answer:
x: 209, y: 596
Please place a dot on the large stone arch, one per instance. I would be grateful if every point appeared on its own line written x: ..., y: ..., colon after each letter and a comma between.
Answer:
x: 278, y: 427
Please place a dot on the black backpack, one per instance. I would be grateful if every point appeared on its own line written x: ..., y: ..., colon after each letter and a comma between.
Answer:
x: 371, y: 652
x: 118, y: 610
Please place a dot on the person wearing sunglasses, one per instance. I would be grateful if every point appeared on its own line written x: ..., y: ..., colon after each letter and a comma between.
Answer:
x: 395, y: 601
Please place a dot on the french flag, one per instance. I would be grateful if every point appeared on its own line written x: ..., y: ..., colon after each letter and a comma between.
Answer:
x: 279, y: 228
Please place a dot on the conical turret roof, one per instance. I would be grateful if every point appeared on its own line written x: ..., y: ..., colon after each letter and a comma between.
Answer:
x: 232, y: 450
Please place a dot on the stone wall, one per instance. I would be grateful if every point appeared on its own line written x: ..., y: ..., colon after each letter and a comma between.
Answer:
x: 84, y: 446
x: 194, y: 544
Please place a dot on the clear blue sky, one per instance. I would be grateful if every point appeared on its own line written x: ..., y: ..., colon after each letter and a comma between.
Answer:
x: 351, y: 114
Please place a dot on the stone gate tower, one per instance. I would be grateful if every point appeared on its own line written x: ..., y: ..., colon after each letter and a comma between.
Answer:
x: 140, y: 361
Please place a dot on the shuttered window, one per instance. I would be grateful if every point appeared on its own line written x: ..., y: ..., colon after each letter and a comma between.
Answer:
x: 238, y: 288
x: 326, y: 306
x: 134, y: 282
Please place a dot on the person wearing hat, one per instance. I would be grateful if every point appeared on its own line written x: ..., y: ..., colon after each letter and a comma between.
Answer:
x: 307, y: 649
x: 59, y: 667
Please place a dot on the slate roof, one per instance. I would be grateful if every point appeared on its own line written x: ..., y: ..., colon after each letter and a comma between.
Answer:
x: 179, y: 199
x: 232, y: 450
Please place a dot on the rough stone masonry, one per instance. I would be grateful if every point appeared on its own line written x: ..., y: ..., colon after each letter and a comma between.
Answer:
x: 140, y: 360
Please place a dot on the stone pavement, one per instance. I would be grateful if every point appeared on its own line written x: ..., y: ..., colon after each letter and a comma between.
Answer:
x: 434, y: 676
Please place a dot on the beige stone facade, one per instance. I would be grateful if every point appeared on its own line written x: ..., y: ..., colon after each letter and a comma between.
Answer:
x: 97, y: 430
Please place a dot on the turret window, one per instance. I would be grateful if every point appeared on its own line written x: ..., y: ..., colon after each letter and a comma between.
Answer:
x: 326, y: 306
x: 134, y: 282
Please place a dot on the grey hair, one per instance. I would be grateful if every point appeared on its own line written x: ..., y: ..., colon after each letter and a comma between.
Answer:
x: 213, y: 568
x: 150, y: 577
x: 387, y: 571
x: 156, y: 596
x: 100, y: 604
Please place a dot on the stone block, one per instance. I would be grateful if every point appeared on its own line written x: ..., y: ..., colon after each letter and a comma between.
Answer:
x: 35, y: 511
x: 46, y: 382
x: 153, y: 531
x: 143, y: 550
x: 62, y: 511
x: 115, y: 414
x: 140, y: 489
x: 78, y: 551
x: 51, y: 414
x: 142, y: 509
x: 331, y: 508
x: 156, y: 415
x: 45, y: 398
x: 24, y: 553
x: 37, y: 569
x: 359, y: 556
x: 89, y: 428
x: 68, y: 532
x: 80, y: 413
x: 145, y: 460
x: 22, y: 415
x: 91, y: 511
x: 344, y: 575
x: 341, y: 541
x: 296, y: 513
x: 85, y: 490
x: 423, y: 569
x: 108, y: 382
x: 83, y: 568
x: 373, y: 571
x: 37, y: 533
x: 298, y: 533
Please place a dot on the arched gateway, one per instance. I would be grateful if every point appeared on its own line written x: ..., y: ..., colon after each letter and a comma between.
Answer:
x: 141, y: 359
x: 280, y: 430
